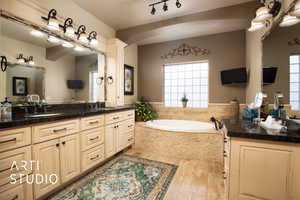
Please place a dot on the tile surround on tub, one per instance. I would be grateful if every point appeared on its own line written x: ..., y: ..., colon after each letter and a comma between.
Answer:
x: 218, y: 110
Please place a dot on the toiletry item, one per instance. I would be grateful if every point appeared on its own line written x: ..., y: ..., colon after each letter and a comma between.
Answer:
x: 6, y: 110
x: 236, y: 108
x: 250, y: 114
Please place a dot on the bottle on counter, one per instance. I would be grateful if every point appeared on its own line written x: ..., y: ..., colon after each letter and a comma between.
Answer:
x: 6, y: 110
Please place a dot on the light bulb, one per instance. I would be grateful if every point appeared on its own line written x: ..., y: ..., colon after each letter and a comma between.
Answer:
x: 83, y: 38
x: 53, y: 24
x: 31, y: 62
x: 70, y: 32
x: 94, y: 42
x: 263, y: 14
x: 289, y: 20
x: 296, y: 11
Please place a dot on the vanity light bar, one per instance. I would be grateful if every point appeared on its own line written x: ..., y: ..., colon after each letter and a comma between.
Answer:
x: 22, y: 60
x: 68, y: 29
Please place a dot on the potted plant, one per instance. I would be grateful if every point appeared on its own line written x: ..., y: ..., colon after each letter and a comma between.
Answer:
x: 144, y: 111
x: 184, y: 101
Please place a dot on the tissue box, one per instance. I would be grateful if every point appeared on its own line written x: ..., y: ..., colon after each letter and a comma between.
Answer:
x: 250, y: 114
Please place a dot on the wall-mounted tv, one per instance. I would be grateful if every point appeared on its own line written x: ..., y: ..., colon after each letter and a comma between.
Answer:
x: 234, y: 76
x: 75, y: 84
x: 269, y: 75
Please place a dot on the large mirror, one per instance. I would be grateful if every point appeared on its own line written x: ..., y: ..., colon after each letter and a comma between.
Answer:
x: 55, y: 70
x: 281, y: 65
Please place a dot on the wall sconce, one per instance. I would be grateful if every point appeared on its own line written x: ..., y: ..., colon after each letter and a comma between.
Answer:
x: 3, y: 63
x: 81, y: 34
x: 265, y: 14
x: 30, y: 60
x: 52, y: 20
x: 20, y: 59
x: 93, y: 38
x: 68, y: 28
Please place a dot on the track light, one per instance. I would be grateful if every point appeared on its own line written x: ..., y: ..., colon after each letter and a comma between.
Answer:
x: 93, y: 38
x: 81, y: 34
x: 165, y: 7
x: 52, y: 20
x: 68, y: 28
x: 153, y: 11
x: 178, y: 4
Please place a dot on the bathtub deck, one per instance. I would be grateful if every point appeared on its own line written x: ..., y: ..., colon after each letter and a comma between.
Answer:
x: 195, y: 179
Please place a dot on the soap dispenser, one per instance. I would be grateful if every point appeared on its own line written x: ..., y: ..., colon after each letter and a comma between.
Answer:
x: 6, y: 110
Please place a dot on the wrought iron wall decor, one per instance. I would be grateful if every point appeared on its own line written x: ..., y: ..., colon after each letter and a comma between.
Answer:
x: 186, y: 50
x: 3, y: 63
x: 295, y: 41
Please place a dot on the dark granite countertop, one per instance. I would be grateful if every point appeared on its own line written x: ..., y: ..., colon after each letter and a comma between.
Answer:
x: 246, y: 129
x: 21, y: 120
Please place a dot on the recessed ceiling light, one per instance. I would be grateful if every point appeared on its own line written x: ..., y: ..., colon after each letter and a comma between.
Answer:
x: 37, y: 33
x: 53, y: 39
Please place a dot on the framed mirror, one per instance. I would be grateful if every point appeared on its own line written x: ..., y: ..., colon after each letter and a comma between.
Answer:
x: 56, y: 70
x: 281, y: 65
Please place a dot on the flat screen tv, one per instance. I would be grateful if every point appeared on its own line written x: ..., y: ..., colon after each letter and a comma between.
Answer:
x: 75, y: 84
x: 269, y: 75
x: 234, y: 76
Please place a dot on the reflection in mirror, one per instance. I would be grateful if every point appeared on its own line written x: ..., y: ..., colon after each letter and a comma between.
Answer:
x: 281, y: 61
x: 59, y: 63
x: 24, y: 80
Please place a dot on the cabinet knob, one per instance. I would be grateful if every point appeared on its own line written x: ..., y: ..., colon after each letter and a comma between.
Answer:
x: 57, y: 145
x: 63, y: 142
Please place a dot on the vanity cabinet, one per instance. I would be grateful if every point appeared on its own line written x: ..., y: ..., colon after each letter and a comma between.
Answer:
x: 264, y: 170
x: 119, y: 132
x: 60, y: 157
x: 18, y: 191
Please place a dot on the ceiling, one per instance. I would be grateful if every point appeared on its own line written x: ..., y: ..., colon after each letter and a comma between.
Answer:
x: 122, y: 14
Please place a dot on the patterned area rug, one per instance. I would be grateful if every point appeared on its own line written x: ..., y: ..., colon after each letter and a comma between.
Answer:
x: 123, y: 178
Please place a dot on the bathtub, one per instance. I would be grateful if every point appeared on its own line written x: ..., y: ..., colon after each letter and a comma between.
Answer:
x: 182, y: 126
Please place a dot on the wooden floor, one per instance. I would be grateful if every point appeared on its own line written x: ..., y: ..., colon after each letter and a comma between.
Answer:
x: 194, y: 179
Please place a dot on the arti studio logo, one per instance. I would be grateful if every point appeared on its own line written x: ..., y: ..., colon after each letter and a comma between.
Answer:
x: 30, y: 165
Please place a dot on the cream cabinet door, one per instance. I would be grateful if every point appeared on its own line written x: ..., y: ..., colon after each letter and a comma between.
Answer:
x: 69, y: 157
x: 296, y: 190
x: 47, y: 154
x: 110, y: 140
x: 122, y: 136
x: 261, y: 171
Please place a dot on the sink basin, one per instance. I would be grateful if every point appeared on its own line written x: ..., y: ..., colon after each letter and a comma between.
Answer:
x: 44, y: 115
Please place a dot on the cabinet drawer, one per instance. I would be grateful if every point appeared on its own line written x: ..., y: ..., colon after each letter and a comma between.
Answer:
x: 92, y: 157
x: 92, y: 122
x: 7, y: 159
x: 113, y: 118
x: 18, y: 191
x: 128, y: 114
x: 92, y: 138
x: 15, y: 138
x: 54, y: 130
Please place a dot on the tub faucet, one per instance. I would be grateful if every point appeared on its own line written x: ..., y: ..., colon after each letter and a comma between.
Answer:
x: 218, y: 124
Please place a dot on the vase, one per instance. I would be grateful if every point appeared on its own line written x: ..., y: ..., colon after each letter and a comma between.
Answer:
x: 184, y: 104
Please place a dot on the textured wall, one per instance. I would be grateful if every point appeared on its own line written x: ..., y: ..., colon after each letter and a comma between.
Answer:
x: 227, y: 51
